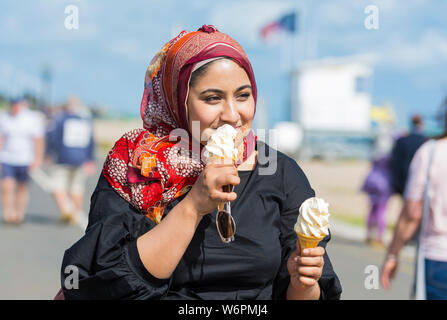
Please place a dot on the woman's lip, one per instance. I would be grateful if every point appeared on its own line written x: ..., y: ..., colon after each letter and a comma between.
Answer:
x: 236, y: 128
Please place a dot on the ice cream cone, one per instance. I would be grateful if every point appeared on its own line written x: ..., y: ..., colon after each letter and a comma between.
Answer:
x: 308, y: 241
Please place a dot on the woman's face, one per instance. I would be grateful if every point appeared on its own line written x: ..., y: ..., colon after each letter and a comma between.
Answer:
x: 222, y: 95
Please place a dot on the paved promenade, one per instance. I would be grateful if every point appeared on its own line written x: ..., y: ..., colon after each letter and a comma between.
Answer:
x: 32, y: 254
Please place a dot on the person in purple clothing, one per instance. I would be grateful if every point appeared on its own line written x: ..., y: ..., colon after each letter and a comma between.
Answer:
x: 378, y: 186
x: 71, y: 147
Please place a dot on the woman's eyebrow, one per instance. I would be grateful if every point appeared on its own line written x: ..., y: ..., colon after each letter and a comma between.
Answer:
x: 221, y: 91
x: 243, y: 87
x: 211, y: 90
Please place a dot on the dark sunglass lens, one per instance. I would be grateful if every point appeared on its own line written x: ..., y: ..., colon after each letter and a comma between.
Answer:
x: 225, y: 224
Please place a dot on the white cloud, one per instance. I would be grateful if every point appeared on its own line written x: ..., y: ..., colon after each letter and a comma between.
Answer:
x: 429, y: 50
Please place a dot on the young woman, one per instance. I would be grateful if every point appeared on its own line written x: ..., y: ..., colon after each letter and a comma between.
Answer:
x: 152, y: 231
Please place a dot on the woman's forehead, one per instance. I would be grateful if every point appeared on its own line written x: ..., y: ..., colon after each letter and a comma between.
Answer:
x: 223, y: 71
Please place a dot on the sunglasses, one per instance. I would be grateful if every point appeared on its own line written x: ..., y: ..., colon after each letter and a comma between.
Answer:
x: 226, y: 227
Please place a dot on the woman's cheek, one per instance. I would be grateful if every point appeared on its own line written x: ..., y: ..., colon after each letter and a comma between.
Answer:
x: 246, y: 111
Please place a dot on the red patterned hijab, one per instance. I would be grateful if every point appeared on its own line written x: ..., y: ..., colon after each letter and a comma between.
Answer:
x: 150, y: 167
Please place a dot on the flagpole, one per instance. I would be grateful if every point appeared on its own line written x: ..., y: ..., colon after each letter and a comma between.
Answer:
x: 294, y: 61
x: 298, y: 54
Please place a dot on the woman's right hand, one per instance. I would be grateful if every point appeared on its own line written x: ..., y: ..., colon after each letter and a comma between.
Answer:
x: 207, y: 192
x: 389, y: 269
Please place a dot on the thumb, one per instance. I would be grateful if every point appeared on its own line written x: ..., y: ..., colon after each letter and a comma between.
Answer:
x: 385, y: 277
x: 298, y: 247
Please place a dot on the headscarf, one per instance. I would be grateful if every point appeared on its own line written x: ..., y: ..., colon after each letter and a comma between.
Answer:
x: 149, y: 167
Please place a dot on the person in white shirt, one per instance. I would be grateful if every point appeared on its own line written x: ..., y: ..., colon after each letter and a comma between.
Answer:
x: 21, y: 151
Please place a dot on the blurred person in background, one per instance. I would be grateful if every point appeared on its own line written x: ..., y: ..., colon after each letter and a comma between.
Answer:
x: 22, y: 148
x: 403, y: 152
x: 377, y: 185
x: 427, y: 179
x: 71, y: 148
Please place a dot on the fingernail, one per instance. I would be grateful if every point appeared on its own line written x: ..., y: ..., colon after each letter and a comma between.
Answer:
x: 306, y: 251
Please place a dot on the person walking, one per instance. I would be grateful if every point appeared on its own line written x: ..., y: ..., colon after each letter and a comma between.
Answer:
x: 403, y: 151
x: 424, y: 206
x: 377, y: 186
x: 21, y: 151
x: 71, y: 148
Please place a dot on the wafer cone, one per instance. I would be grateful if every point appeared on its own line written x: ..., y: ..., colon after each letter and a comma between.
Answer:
x: 308, y: 241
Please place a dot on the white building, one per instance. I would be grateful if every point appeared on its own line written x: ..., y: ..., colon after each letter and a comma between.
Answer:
x: 331, y: 102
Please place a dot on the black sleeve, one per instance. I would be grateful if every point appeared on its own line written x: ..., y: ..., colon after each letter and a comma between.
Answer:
x: 297, y: 189
x: 330, y: 285
x: 397, y: 167
x: 106, y: 259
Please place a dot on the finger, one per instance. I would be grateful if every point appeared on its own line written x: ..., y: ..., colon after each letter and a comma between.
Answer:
x: 292, y: 263
x: 227, y: 179
x: 222, y: 170
x: 222, y: 165
x: 385, y: 279
x: 306, y: 281
x: 314, y: 252
x: 223, y: 196
x: 293, y: 271
x: 294, y: 256
x: 393, y: 272
x: 298, y: 247
x: 310, y: 261
x: 386, y: 276
x: 311, y: 272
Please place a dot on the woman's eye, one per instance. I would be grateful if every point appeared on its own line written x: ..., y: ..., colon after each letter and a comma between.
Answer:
x: 244, y: 95
x: 212, y: 98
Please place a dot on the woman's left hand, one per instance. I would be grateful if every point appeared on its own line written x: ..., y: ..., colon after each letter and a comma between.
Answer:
x: 305, y: 270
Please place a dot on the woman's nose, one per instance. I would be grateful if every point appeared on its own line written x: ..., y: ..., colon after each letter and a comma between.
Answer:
x: 230, y: 113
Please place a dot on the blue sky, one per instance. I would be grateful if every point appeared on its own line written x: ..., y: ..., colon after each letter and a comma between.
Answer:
x: 104, y: 61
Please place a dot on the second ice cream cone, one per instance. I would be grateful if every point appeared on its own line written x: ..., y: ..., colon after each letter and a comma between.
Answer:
x: 308, y: 241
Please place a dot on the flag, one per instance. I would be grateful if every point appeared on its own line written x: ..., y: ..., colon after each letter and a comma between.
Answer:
x: 286, y: 22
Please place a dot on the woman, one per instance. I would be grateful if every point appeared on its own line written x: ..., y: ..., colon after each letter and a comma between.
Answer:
x: 151, y: 232
x: 431, y: 157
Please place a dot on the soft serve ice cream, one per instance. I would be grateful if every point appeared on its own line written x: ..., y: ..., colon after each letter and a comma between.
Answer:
x: 220, y: 147
x: 313, y: 220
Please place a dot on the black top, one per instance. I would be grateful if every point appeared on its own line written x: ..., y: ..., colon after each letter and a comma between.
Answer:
x: 253, y: 266
x: 401, y: 156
